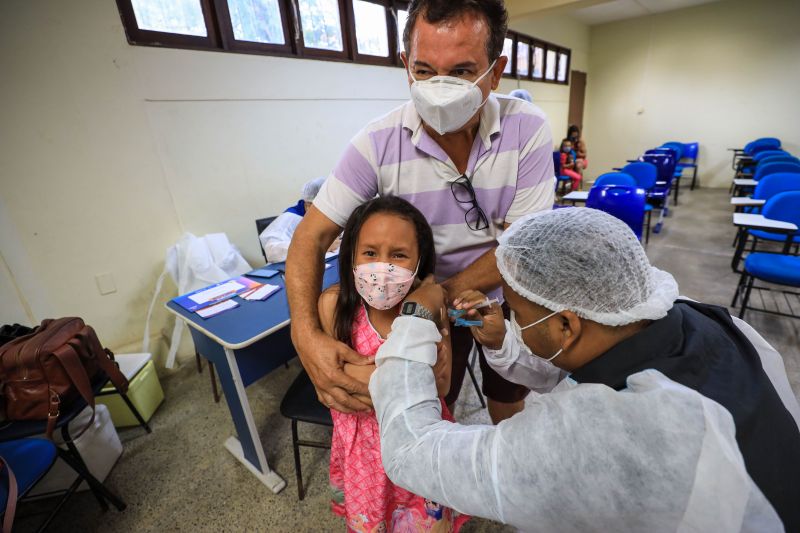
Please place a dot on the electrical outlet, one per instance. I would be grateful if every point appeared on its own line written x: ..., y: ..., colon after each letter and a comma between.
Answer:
x: 105, y: 283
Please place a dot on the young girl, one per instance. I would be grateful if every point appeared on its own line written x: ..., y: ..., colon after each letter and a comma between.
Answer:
x: 568, y: 166
x: 387, y: 246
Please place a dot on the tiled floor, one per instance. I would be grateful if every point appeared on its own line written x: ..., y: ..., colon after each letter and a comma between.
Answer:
x: 180, y: 478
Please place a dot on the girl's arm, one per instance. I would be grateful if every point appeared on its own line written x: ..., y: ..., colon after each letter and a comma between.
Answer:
x: 326, y: 306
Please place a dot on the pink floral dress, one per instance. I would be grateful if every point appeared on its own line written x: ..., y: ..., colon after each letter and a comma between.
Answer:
x: 362, y: 494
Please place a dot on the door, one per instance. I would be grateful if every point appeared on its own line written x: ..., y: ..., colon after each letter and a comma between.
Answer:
x: 577, y: 94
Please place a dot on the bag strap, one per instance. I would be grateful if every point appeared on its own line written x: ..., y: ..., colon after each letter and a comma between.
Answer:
x: 104, y: 358
x: 11, y: 502
x: 68, y: 356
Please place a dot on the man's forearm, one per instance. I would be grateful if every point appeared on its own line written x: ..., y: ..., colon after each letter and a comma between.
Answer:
x: 304, y: 269
x: 482, y: 275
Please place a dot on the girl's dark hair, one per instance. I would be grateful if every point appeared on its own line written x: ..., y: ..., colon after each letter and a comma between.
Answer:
x: 573, y: 129
x: 435, y: 11
x: 348, y: 300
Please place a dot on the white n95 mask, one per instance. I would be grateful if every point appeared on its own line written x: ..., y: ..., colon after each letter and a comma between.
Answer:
x: 446, y: 103
x: 517, y: 330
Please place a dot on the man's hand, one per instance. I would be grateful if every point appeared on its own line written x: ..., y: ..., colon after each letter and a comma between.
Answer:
x: 493, y: 331
x: 432, y: 297
x: 324, y: 357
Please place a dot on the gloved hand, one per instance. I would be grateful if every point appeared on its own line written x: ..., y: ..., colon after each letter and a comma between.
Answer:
x: 493, y: 330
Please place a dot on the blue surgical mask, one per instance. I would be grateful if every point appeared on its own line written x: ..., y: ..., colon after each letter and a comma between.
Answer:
x: 517, y: 330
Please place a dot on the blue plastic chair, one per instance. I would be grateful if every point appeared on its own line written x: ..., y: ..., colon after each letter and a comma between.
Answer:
x: 742, y: 155
x: 775, y: 184
x: 560, y: 179
x: 784, y: 206
x: 773, y: 168
x: 689, y: 160
x: 29, y: 460
x: 615, y: 178
x: 645, y: 174
x: 658, y: 196
x: 780, y: 269
x: 623, y: 202
x: 780, y: 159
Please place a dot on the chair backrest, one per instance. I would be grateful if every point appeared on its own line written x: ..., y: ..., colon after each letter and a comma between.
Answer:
x: 777, y: 183
x: 664, y: 160
x: 783, y: 206
x: 678, y: 147
x: 261, y: 225
x: 690, y: 151
x: 773, y: 168
x: 644, y: 173
x: 624, y: 203
x: 759, y: 145
x: 615, y: 178
x: 779, y: 159
x: 557, y: 162
x: 760, y: 156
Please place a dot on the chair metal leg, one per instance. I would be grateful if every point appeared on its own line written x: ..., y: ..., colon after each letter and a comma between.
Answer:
x: 694, y: 177
x: 53, y: 512
x: 740, y: 245
x: 470, y: 366
x: 135, y: 412
x: 214, y: 390
x: 76, y: 462
x: 647, y: 235
x: 298, y: 472
x: 739, y: 287
x: 199, y: 362
x: 746, y: 297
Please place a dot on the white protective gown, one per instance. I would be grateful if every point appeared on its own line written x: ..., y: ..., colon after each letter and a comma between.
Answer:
x: 276, y: 237
x: 654, y: 457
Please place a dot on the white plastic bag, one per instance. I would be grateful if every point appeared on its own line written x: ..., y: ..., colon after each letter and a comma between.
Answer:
x: 194, y: 263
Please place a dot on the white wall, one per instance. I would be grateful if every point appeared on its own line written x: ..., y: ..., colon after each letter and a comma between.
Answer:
x: 109, y: 152
x: 722, y: 74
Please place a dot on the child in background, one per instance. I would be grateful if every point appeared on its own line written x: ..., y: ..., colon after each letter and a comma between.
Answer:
x: 568, y: 166
x: 387, y: 246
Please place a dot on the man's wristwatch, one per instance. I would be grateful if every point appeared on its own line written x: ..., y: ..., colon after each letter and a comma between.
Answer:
x: 418, y: 310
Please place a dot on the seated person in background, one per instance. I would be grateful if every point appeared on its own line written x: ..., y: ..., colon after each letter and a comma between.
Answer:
x: 568, y: 165
x: 578, y: 147
x: 276, y: 237
x: 387, y: 246
x: 522, y: 94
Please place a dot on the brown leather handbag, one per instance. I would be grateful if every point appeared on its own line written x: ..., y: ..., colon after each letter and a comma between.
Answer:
x: 53, y: 365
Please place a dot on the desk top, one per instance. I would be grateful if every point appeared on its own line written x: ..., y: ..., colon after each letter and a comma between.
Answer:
x: 751, y: 220
x: 251, y: 321
x: 577, y: 196
x: 742, y: 200
x: 742, y: 182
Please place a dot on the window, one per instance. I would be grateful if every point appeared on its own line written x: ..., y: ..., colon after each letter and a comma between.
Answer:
x: 402, y: 18
x: 360, y: 31
x: 563, y: 67
x: 508, y: 47
x: 257, y: 21
x: 538, y: 62
x: 184, y: 17
x: 550, y: 65
x: 523, y: 59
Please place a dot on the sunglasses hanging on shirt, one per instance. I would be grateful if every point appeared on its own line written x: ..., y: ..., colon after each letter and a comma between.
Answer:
x: 464, y: 193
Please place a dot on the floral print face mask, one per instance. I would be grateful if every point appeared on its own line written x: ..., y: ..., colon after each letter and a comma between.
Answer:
x: 383, y: 285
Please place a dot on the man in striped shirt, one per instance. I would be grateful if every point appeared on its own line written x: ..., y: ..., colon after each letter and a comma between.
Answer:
x: 470, y: 181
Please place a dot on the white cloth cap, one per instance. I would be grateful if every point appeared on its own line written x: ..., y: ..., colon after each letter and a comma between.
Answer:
x: 586, y: 261
x: 311, y: 188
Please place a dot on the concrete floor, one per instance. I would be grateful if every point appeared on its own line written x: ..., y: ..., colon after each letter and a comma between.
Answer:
x: 180, y: 478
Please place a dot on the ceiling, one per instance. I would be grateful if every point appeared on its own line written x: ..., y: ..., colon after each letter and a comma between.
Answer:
x: 626, y: 9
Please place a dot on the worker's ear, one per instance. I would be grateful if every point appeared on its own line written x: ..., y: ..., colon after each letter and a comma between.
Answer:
x: 570, y: 329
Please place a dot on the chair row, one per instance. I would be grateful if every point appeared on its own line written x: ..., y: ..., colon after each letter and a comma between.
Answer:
x: 767, y: 241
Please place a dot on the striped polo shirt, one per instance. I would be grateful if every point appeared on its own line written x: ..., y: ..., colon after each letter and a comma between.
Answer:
x: 510, y: 167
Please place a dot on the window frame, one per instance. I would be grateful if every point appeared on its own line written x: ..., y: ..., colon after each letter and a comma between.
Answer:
x: 220, y: 37
x: 231, y: 43
x: 391, y: 35
x: 137, y: 36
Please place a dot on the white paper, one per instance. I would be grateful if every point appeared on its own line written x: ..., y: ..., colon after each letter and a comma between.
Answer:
x: 215, y: 292
x: 217, y: 308
x: 263, y: 292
